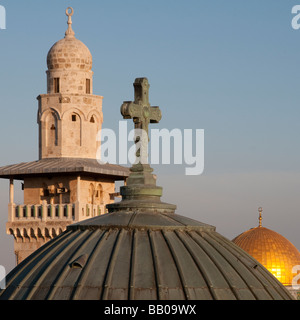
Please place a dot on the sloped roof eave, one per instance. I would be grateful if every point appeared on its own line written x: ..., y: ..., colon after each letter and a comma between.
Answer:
x: 62, y: 165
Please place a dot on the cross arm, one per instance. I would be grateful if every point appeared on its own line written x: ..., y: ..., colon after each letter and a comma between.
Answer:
x: 155, y: 115
x: 130, y: 110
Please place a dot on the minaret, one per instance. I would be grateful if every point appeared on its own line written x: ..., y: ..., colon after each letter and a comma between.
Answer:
x: 69, y: 115
x: 67, y: 184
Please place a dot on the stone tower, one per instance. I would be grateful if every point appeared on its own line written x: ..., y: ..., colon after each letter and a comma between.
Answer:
x: 67, y: 184
x: 69, y: 115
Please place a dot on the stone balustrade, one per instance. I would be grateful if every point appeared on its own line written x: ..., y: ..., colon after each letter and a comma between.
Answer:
x: 46, y: 212
x: 31, y: 225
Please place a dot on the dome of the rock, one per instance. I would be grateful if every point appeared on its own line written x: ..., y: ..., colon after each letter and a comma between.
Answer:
x: 272, y: 250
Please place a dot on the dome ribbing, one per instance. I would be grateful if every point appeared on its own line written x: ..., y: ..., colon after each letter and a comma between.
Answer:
x: 139, y: 256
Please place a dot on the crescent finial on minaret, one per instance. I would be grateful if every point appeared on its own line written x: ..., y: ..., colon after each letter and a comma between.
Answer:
x: 69, y: 13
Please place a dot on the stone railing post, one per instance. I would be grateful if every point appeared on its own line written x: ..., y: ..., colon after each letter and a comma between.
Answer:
x: 44, y: 211
x: 11, y: 212
x: 77, y: 211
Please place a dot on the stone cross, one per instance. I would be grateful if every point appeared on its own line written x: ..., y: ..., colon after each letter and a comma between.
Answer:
x: 140, y: 110
x: 141, y: 194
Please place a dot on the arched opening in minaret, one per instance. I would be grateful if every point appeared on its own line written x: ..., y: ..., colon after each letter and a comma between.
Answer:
x: 92, y: 194
x: 51, y: 130
x: 99, y: 194
x: 75, y: 130
x: 93, y: 130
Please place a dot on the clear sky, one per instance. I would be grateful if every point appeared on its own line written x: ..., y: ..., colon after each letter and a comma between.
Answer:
x: 228, y: 67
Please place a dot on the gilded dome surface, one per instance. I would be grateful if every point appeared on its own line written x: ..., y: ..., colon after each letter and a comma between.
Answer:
x: 272, y: 250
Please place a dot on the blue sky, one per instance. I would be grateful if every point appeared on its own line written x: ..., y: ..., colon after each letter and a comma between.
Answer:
x: 228, y: 67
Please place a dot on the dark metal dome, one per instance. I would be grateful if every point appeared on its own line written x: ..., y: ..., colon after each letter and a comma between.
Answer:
x: 141, y: 256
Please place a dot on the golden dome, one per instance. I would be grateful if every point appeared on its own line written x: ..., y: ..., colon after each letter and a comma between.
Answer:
x: 69, y: 52
x: 272, y: 250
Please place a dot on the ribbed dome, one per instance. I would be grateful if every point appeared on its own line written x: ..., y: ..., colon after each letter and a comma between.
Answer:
x: 141, y: 256
x: 272, y: 250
